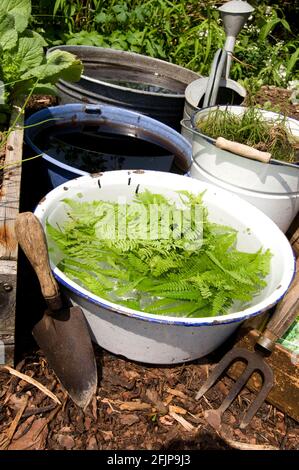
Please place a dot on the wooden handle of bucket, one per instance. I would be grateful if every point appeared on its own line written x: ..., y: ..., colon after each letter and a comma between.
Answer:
x: 31, y: 237
x: 243, y: 150
x: 285, y: 314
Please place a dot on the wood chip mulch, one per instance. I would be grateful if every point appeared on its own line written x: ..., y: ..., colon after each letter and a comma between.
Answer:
x: 136, y: 407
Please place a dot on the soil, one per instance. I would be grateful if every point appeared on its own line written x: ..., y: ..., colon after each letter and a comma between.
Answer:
x: 136, y: 406
x: 38, y: 102
x: 279, y: 97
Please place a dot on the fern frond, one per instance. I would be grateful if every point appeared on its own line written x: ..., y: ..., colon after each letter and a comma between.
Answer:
x: 195, y: 270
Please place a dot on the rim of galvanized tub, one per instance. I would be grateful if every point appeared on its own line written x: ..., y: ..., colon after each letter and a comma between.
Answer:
x: 109, y: 53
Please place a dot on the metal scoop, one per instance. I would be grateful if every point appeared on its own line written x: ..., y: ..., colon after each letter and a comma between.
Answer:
x: 62, y: 333
x: 285, y: 313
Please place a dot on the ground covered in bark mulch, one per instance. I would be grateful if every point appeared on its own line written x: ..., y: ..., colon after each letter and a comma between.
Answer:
x: 136, y: 407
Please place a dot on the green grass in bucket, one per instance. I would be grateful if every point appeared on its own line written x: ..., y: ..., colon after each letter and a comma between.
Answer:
x: 176, y: 275
x: 251, y: 129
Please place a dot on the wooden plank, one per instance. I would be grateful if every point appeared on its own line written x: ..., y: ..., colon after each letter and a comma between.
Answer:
x: 9, y: 208
x: 293, y: 235
x: 10, y: 191
x: 285, y: 365
x: 8, y: 281
x: 7, y: 349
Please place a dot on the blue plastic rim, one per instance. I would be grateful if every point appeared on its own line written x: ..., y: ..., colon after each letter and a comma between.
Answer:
x: 77, y: 114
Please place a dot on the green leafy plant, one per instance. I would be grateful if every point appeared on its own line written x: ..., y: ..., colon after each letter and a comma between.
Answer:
x: 267, y: 47
x: 24, y: 67
x: 185, y: 33
x: 23, y: 64
x: 195, y: 271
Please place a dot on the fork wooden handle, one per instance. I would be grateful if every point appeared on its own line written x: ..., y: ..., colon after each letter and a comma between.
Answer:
x: 31, y: 237
x: 286, y: 312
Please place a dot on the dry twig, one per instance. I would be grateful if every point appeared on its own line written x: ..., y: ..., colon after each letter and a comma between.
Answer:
x: 244, y: 446
x: 14, y: 424
x: 186, y: 425
x: 32, y: 382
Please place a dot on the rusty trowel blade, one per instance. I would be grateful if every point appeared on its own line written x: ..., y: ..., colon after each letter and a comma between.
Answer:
x: 64, y: 338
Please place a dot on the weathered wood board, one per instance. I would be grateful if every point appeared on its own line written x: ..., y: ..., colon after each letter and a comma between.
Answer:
x: 9, y: 208
x: 285, y: 365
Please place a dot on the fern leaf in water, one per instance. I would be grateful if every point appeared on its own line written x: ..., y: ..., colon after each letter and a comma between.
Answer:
x: 194, y: 271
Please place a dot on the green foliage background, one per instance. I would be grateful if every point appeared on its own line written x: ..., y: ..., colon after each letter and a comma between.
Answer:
x: 24, y: 67
x: 183, y: 32
x: 23, y: 63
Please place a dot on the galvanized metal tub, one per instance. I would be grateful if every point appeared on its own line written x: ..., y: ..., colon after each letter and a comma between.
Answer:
x: 117, y: 77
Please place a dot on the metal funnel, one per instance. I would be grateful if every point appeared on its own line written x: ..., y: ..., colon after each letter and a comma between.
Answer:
x: 234, y: 15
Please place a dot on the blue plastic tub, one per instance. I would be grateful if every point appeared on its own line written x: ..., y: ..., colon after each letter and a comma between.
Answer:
x: 106, y: 117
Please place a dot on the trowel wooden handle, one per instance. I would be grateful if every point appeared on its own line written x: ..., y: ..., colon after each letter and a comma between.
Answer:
x: 243, y: 150
x: 286, y: 312
x: 31, y: 237
x: 294, y: 241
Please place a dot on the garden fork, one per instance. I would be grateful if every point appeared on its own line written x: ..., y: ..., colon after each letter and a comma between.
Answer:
x: 285, y: 313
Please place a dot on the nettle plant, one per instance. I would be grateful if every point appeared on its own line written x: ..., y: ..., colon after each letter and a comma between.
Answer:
x: 24, y: 66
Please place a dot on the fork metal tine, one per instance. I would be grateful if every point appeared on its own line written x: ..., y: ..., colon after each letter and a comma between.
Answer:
x: 268, y: 377
x: 236, y: 388
x: 233, y: 355
x: 254, y: 363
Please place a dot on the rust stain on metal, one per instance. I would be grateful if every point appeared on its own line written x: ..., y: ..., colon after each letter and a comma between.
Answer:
x: 139, y: 172
x: 7, y: 237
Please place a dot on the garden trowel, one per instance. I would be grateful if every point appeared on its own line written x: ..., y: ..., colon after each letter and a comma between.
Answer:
x: 62, y: 333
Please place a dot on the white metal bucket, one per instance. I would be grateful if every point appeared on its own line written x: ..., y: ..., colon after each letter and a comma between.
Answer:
x: 274, y: 189
x: 159, y: 339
